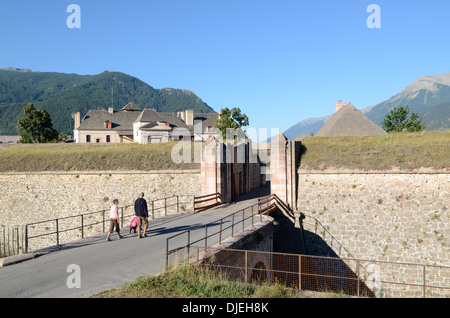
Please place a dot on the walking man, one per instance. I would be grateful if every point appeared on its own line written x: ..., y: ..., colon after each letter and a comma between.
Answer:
x: 141, y: 211
x: 114, y: 220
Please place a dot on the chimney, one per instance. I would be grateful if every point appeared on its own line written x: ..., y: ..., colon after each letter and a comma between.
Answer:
x: 183, y: 116
x: 77, y: 120
x: 189, y: 118
x: 337, y: 106
x: 111, y: 110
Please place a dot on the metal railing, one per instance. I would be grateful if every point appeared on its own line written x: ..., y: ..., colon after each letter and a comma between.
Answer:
x: 54, y: 232
x: 330, y: 274
x: 267, y: 204
x: 11, y: 240
x: 226, y: 227
x: 350, y: 276
x: 203, y: 202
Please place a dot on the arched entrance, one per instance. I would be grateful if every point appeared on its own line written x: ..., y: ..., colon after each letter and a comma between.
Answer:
x: 259, y: 273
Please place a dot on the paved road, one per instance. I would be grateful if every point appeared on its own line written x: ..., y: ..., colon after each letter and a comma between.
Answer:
x: 105, y: 265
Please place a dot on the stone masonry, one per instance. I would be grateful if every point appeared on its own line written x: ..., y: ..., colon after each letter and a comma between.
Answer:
x: 384, y: 216
x: 32, y: 197
x: 230, y: 170
x: 284, y: 162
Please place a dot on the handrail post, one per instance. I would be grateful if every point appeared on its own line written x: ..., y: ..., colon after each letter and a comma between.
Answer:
x: 121, y: 217
x: 82, y: 226
x: 165, y: 207
x: 18, y: 240
x: 220, y: 232
x: 198, y: 254
x: 299, y: 272
x: 189, y: 243
x: 153, y: 210
x: 9, y: 248
x: 424, y: 279
x: 246, y: 266
x: 167, y: 253
x: 103, y: 215
x: 57, y: 233
x: 232, y: 225
x: 23, y: 238
x: 26, y: 238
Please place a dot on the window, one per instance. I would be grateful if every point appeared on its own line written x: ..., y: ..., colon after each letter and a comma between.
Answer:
x: 108, y: 138
x: 108, y: 124
x: 88, y: 138
x: 153, y: 140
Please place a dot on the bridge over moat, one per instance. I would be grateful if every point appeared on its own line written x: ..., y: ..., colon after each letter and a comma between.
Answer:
x: 106, y: 265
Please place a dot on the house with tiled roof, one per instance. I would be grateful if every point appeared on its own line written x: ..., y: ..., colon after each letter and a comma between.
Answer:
x: 131, y: 124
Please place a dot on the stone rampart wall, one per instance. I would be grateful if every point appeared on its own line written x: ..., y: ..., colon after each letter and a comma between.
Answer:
x: 385, y: 216
x: 31, y: 197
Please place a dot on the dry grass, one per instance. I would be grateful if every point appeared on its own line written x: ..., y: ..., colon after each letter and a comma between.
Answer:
x: 403, y: 151
x: 198, y: 282
x: 93, y: 157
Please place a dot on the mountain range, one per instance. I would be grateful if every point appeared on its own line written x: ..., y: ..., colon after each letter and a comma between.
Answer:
x: 429, y: 96
x: 62, y: 94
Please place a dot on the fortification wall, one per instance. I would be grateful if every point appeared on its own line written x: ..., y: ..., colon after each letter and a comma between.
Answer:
x: 386, y: 216
x: 38, y: 196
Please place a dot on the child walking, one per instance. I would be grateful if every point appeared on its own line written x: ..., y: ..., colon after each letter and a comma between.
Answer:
x: 114, y: 220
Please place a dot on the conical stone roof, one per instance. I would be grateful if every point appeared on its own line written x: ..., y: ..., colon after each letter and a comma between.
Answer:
x: 349, y: 121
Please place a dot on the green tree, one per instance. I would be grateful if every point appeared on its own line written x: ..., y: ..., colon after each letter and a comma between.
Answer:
x: 397, y: 120
x: 37, y: 127
x: 233, y: 121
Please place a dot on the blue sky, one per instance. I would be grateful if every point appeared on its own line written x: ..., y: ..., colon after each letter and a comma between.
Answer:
x: 279, y: 61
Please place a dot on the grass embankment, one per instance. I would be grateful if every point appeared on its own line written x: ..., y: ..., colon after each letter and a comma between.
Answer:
x: 402, y: 151
x: 199, y: 282
x: 92, y: 157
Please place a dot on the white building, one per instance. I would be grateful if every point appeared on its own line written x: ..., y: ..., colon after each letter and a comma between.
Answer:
x: 131, y: 124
